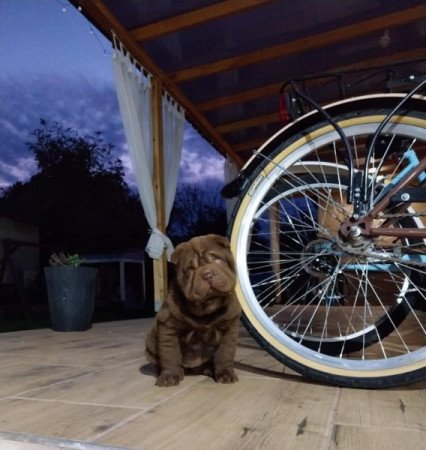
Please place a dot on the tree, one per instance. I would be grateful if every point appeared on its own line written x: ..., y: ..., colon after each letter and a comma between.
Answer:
x: 78, y: 196
x: 198, y: 210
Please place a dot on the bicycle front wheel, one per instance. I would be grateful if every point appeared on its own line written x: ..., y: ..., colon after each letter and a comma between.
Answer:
x: 349, y: 313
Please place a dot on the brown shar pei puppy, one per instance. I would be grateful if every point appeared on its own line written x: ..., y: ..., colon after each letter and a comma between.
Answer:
x: 196, y: 329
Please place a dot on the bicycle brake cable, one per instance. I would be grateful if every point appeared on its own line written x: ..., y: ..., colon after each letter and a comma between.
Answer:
x: 348, y: 150
x: 365, y: 194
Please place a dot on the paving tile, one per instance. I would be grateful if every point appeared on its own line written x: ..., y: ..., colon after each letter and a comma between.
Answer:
x: 253, y: 413
x: 259, y: 359
x: 97, y: 357
x: 56, y: 419
x: 392, y: 408
x: 20, y: 378
x: 19, y: 441
x: 121, y: 386
x: 98, y: 353
x: 14, y: 445
x: 374, y: 438
x: 88, y: 386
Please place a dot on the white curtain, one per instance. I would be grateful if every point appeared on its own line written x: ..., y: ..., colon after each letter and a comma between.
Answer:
x: 231, y: 172
x: 134, y: 98
x: 173, y: 127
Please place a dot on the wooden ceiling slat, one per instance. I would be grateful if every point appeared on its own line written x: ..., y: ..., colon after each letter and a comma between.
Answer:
x: 248, y: 123
x: 386, y: 60
x: 106, y: 21
x: 274, y: 118
x: 240, y: 97
x: 302, y: 45
x: 249, y: 145
x: 273, y: 89
x: 192, y: 18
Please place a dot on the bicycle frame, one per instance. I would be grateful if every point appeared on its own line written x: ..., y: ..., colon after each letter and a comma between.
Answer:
x: 364, y: 224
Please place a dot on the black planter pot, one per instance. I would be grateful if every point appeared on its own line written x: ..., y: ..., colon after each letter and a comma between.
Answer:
x: 71, y: 294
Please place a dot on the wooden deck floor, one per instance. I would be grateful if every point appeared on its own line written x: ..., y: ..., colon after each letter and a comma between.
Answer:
x: 86, y: 390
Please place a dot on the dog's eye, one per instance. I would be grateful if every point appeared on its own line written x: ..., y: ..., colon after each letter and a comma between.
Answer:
x: 190, y: 268
x: 217, y: 258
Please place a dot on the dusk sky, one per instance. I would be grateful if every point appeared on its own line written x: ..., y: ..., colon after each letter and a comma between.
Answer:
x: 55, y: 66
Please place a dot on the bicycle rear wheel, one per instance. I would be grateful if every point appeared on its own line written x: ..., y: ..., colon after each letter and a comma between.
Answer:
x: 350, y: 313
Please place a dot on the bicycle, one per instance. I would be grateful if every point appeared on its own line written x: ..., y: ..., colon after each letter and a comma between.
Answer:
x: 329, y: 237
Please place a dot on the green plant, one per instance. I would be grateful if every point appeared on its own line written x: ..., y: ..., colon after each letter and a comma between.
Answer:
x: 61, y: 259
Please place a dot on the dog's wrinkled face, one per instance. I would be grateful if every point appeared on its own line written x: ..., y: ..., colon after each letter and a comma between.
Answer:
x: 205, y: 271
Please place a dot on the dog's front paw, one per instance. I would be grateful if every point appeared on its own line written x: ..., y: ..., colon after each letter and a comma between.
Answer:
x: 167, y: 379
x: 226, y: 376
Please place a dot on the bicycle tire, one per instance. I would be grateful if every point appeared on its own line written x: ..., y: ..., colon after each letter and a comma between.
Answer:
x: 322, y: 365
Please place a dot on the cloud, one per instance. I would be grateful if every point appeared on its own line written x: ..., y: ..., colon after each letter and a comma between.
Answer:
x: 87, y: 106
x: 199, y: 162
x: 18, y: 170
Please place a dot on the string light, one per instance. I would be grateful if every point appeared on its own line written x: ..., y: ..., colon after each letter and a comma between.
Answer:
x: 91, y: 30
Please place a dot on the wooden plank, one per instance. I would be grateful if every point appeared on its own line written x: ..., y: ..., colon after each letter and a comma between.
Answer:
x: 100, y: 15
x: 304, y: 44
x: 248, y: 123
x: 193, y: 18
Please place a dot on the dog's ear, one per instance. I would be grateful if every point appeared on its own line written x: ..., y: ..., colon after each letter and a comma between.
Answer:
x: 177, y: 254
x: 220, y: 240
x: 224, y: 243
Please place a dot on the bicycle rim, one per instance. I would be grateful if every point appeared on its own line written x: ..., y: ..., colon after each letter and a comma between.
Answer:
x: 287, y: 323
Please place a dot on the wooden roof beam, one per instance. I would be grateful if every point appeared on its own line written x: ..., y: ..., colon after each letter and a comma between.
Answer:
x: 193, y: 18
x: 304, y: 44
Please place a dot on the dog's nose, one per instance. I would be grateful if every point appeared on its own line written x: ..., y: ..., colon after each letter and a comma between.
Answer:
x: 208, y: 275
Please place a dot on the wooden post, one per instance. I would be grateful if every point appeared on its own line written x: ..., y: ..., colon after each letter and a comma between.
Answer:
x: 160, y: 265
